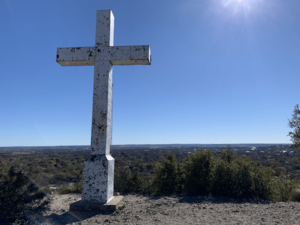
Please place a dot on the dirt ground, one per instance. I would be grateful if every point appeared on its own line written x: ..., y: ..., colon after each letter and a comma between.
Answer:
x: 171, y: 210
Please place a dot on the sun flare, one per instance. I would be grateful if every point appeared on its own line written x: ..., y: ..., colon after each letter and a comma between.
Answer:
x: 241, y: 6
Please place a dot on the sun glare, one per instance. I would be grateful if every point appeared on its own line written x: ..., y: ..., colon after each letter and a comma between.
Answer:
x: 241, y: 6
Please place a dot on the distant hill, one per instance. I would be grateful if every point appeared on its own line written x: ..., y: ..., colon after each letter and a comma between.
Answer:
x: 77, y: 147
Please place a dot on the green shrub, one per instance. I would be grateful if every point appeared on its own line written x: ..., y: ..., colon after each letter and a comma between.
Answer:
x: 228, y: 175
x: 285, y: 190
x: 295, y: 195
x: 65, y: 189
x: 168, y: 177
x: 125, y: 182
x: 198, y: 168
x: 76, y: 188
x: 280, y: 189
x: 224, y: 179
x: 137, y: 183
x: 15, y: 191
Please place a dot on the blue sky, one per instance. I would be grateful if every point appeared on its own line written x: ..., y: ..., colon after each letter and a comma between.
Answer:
x: 222, y: 71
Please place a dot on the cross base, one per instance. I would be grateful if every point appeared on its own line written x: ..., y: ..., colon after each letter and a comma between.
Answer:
x: 98, y: 179
x: 114, y: 204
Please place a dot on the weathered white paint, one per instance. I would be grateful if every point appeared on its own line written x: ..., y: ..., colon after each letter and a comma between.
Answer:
x: 117, y: 55
x: 98, y: 182
x: 98, y: 173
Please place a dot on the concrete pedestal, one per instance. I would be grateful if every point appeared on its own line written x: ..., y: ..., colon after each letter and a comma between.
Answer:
x: 98, y: 179
x: 114, y: 204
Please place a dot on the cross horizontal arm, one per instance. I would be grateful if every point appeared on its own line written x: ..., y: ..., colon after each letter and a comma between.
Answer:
x: 130, y: 55
x: 75, y: 56
x: 117, y: 55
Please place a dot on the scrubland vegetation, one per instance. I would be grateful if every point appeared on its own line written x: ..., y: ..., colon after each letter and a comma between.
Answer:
x: 25, y: 177
x: 203, y: 173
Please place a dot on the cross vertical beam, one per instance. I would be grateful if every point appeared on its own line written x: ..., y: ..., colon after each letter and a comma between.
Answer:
x: 105, y: 24
x: 98, y: 173
x: 102, y: 96
x: 102, y: 106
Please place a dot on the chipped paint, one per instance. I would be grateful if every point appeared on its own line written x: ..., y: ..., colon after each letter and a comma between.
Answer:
x: 98, y: 173
x: 98, y: 179
x: 117, y: 55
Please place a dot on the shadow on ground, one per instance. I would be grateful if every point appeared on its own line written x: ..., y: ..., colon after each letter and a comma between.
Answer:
x: 70, y: 217
x: 212, y: 199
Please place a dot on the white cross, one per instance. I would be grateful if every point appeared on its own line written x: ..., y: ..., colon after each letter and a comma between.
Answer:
x: 103, y: 56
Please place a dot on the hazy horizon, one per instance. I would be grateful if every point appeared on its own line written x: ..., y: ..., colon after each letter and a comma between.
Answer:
x: 150, y: 144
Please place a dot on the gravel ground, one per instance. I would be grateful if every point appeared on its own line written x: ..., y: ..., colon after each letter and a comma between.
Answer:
x: 173, y: 210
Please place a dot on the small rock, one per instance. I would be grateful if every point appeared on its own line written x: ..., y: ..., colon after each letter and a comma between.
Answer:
x: 138, y: 217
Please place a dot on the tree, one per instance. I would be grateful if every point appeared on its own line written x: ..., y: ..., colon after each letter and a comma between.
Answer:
x: 167, y: 176
x: 295, y: 123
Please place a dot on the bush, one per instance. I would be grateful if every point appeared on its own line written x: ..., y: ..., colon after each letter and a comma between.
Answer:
x: 125, y: 182
x: 201, y: 173
x: 167, y: 179
x: 15, y: 191
x: 285, y: 190
x: 76, y: 188
x: 295, y: 195
x: 198, y: 169
x: 228, y: 175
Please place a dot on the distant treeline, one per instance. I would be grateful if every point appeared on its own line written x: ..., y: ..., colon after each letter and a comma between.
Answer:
x: 82, y: 147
